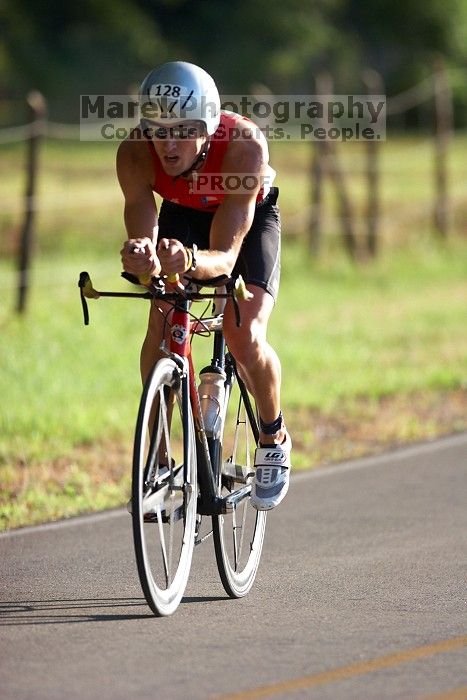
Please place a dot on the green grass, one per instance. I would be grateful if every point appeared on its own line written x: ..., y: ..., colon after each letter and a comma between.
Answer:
x: 341, y: 332
x: 67, y: 383
x: 349, y: 337
x: 397, y: 326
x: 344, y: 334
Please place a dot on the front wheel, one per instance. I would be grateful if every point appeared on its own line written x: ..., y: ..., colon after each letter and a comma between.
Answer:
x: 239, y: 534
x: 164, y: 489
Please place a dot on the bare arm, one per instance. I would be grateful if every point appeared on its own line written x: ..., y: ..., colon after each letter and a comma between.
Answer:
x: 234, y: 216
x: 140, y: 212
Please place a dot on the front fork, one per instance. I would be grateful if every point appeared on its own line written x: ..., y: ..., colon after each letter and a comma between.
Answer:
x: 208, y: 451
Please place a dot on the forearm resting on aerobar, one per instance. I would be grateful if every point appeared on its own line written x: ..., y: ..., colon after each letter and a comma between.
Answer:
x: 228, y: 229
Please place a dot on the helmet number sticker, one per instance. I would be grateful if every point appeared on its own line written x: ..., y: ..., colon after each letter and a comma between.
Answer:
x: 171, y: 100
x: 165, y: 91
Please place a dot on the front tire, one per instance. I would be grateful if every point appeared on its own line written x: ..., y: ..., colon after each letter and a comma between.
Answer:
x: 164, y: 489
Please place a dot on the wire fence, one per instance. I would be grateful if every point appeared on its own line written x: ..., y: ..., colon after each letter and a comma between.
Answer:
x: 360, y: 219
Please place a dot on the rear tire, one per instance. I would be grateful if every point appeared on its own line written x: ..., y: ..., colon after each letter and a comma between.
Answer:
x: 164, y: 489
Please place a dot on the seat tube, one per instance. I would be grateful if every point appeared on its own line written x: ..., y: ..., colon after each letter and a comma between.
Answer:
x: 218, y: 353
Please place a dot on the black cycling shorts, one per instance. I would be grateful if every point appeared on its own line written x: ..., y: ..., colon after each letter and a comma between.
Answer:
x: 259, y: 259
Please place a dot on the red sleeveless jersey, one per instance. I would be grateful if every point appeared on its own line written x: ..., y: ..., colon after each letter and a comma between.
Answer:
x: 208, y: 195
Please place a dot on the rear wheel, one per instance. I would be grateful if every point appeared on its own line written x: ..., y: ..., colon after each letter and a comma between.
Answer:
x: 164, y: 489
x: 239, y: 534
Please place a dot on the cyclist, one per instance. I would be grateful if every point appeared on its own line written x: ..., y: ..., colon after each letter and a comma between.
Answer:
x: 218, y: 217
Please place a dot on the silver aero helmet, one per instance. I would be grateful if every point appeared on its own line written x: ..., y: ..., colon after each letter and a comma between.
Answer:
x: 178, y: 91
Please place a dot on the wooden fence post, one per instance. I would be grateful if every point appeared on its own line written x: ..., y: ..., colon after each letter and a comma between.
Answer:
x: 345, y: 207
x: 324, y: 86
x: 316, y: 198
x: 37, y: 109
x: 337, y: 176
x: 443, y: 128
x: 374, y: 85
x: 326, y: 155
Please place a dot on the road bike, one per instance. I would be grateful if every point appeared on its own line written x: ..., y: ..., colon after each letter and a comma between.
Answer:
x: 193, y: 449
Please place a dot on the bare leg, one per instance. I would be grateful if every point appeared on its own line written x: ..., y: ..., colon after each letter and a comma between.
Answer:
x: 150, y: 350
x: 258, y: 362
x: 150, y: 354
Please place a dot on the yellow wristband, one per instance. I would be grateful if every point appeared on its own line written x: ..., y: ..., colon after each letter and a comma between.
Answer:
x: 190, y: 259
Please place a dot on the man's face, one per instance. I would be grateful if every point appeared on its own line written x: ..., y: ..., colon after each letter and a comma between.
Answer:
x: 177, y: 145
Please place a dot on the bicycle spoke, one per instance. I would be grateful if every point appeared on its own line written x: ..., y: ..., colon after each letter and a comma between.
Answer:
x: 163, y: 548
x: 165, y: 426
x: 171, y: 536
x: 234, y: 540
x: 150, y: 470
x: 242, y: 527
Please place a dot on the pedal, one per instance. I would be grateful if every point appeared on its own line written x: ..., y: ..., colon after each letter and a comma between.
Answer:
x: 153, y: 517
x: 174, y: 516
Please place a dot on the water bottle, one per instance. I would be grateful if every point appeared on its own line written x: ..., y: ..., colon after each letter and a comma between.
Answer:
x: 211, y: 392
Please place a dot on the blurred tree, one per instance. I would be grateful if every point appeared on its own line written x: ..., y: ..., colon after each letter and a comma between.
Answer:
x: 399, y: 37
x: 283, y: 44
x: 273, y: 42
x: 65, y: 49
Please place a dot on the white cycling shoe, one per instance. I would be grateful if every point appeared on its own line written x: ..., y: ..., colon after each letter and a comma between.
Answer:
x: 272, y: 475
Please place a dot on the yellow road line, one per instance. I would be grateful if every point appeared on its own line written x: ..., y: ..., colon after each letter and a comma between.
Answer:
x: 358, y: 669
x: 456, y: 694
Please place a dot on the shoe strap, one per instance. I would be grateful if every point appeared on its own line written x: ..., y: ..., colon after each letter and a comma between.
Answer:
x: 271, y: 456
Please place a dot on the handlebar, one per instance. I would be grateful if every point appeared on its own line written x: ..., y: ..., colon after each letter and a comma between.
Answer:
x: 235, y: 289
x: 173, y: 278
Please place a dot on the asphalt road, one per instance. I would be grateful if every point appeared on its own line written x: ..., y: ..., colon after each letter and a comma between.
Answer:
x: 361, y: 594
